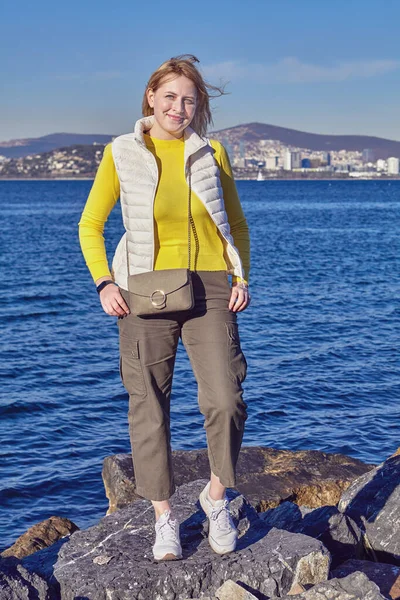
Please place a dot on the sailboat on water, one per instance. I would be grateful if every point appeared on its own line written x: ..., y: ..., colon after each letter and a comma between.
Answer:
x: 260, y: 175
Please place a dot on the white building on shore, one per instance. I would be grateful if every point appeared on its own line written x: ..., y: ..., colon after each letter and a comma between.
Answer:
x: 271, y: 162
x: 381, y: 164
x: 393, y: 166
x: 291, y: 160
x: 287, y: 160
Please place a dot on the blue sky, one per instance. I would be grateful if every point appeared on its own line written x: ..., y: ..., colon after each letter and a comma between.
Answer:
x: 318, y: 66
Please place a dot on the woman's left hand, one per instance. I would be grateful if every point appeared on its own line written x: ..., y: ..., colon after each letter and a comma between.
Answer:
x: 240, y: 297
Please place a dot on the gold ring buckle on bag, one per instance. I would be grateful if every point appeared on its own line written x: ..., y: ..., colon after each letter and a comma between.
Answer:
x: 154, y: 302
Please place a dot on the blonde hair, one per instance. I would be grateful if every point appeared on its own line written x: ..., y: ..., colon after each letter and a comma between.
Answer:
x: 184, y: 65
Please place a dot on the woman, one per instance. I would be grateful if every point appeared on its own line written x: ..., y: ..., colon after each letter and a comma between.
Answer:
x: 146, y: 169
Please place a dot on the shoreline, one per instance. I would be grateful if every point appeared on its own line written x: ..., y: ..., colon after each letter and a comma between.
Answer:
x: 236, y: 179
x: 47, y: 179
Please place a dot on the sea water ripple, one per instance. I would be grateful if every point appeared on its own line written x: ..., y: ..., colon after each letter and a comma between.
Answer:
x: 321, y: 339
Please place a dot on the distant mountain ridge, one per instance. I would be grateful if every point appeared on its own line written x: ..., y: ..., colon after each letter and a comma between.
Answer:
x: 250, y: 132
x: 253, y: 132
x: 24, y: 147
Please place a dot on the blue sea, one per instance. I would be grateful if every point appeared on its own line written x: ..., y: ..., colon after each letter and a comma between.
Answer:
x: 321, y: 339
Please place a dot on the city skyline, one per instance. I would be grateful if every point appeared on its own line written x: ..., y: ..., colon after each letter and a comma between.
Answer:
x: 270, y: 157
x: 316, y: 68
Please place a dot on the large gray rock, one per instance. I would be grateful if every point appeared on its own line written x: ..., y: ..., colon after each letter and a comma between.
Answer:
x: 265, y: 476
x: 373, y: 502
x: 386, y: 577
x: 18, y: 583
x: 338, y: 532
x: 356, y: 586
x: 113, y: 560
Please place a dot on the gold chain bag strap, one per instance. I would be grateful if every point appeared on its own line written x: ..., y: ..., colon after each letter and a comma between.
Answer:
x: 164, y: 291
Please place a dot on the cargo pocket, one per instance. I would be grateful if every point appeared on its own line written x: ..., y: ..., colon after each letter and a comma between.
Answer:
x: 130, y: 366
x: 237, y: 364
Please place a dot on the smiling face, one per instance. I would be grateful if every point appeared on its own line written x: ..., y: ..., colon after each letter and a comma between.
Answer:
x: 174, y: 105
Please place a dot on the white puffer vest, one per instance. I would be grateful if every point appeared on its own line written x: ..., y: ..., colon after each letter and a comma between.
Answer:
x: 138, y: 175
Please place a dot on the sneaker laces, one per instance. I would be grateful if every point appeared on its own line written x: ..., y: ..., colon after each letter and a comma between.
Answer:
x: 167, y: 529
x: 222, y: 516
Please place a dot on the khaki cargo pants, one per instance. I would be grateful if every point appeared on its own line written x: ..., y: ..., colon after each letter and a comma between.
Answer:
x: 148, y: 345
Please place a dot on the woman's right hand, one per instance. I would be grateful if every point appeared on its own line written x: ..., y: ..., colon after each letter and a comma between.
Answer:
x: 112, y: 302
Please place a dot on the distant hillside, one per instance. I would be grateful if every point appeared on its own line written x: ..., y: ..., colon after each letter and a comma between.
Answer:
x: 21, y: 148
x: 253, y: 132
x: 82, y: 161
x: 79, y: 161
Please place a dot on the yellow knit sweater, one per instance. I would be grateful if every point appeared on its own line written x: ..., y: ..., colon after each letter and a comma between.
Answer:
x: 170, y: 214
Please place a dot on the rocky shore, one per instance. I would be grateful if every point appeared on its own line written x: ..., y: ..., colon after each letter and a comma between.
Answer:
x: 311, y: 526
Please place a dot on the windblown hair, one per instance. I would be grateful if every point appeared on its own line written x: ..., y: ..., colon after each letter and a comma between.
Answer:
x: 184, y: 64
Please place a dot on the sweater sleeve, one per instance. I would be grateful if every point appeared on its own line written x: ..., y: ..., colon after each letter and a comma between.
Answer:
x: 237, y: 220
x: 101, y: 200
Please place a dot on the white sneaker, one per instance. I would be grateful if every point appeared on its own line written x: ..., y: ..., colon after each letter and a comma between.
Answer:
x: 168, y: 545
x: 222, y: 533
